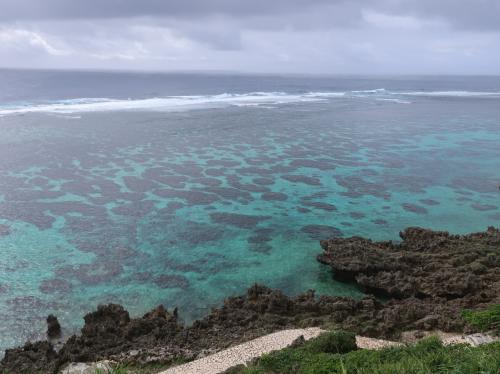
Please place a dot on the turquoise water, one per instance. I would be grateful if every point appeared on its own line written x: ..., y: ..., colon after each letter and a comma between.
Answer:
x: 186, y: 207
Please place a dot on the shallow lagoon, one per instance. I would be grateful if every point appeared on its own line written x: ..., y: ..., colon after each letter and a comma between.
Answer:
x: 187, y: 207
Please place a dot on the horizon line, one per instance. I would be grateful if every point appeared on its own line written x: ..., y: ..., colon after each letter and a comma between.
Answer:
x: 241, y: 72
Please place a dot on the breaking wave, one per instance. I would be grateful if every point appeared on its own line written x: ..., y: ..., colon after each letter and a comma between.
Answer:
x: 170, y: 103
x: 253, y: 99
x: 452, y: 93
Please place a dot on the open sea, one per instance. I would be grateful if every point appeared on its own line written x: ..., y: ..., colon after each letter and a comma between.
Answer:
x: 183, y: 189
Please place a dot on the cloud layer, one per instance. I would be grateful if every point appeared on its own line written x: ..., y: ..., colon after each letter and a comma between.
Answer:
x: 286, y: 36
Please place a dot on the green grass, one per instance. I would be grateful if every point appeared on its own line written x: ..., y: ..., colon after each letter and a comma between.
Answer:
x: 484, y: 320
x: 427, y: 357
x: 134, y: 369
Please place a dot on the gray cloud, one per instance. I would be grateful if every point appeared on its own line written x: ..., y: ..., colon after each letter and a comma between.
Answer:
x: 472, y: 14
x: 298, y: 36
x: 461, y: 14
x: 57, y: 9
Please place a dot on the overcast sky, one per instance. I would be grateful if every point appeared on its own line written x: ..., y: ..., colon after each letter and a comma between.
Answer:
x: 265, y: 36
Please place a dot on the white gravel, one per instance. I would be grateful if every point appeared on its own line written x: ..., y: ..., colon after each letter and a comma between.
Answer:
x: 243, y: 353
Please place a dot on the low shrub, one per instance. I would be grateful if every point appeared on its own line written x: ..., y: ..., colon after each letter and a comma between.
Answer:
x: 332, y: 342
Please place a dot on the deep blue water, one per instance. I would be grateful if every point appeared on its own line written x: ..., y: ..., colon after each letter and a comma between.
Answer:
x: 183, y: 189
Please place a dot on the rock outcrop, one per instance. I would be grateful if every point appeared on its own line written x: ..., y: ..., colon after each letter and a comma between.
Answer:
x: 53, y: 327
x: 426, y: 264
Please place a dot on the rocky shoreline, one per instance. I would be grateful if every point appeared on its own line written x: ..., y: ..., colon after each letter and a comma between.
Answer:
x: 428, y: 280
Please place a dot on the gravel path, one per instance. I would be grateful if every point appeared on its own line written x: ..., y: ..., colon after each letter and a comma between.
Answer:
x: 243, y: 353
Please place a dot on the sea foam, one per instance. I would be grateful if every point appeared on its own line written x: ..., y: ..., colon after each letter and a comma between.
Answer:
x: 170, y: 103
x: 451, y: 93
x: 252, y: 99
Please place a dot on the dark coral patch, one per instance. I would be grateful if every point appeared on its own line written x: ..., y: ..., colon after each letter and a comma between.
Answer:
x: 94, y: 273
x: 142, y: 277
x: 320, y: 232
x: 481, y: 185
x: 107, y: 188
x: 252, y: 170
x: 32, y: 213
x: 281, y: 169
x: 263, y: 181
x: 379, y: 221
x: 259, y: 239
x: 171, y: 281
x: 190, y: 169
x: 303, y: 210
x: 137, y: 184
x: 171, y: 208
x: 274, y: 196
x: 215, y: 172
x: 314, y: 196
x: 21, y: 303
x: 223, y: 162
x: 191, y: 197
x: 174, y: 181
x: 50, y: 286
x: 79, y: 187
x: 264, y: 231
x: 429, y: 202
x: 320, y: 164
x: 323, y: 206
x: 357, y: 187
x: 261, y: 248
x: 414, y: 208
x: 31, y: 195
x: 311, y: 181
x: 198, y: 233
x: 63, y: 208
x: 206, y: 181
x: 357, y: 215
x: 135, y: 209
x: 484, y: 207
x: 4, y: 230
x: 239, y: 220
x: 235, y: 183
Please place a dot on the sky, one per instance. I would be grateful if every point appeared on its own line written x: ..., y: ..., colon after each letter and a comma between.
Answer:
x: 260, y: 36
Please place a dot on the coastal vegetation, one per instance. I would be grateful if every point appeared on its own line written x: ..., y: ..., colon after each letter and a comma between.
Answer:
x: 484, y: 320
x: 326, y: 355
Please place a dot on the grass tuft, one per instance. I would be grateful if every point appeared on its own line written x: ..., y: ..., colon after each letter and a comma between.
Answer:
x: 484, y: 320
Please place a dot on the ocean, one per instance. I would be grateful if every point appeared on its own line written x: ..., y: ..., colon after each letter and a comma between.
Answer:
x: 183, y: 189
